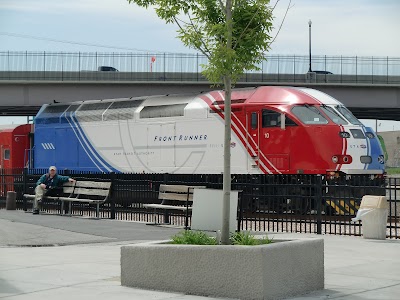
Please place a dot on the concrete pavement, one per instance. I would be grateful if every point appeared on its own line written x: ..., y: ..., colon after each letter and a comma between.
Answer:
x: 88, y: 266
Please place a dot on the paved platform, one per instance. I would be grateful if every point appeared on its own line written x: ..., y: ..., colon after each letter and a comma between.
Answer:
x: 59, y: 257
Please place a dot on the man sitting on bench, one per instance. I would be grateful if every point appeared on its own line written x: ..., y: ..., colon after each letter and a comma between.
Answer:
x: 47, y: 185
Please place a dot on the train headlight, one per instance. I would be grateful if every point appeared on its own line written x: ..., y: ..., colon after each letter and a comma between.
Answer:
x: 381, y: 159
x: 344, y: 134
x: 370, y: 135
x: 335, y: 159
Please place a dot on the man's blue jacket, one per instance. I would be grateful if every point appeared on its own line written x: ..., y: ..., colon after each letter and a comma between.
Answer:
x: 58, y: 180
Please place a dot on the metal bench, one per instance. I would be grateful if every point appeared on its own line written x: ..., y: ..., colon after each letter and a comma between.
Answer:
x: 174, y: 197
x: 92, y: 192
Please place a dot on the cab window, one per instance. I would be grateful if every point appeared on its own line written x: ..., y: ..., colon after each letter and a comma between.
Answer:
x: 254, y: 120
x: 333, y: 115
x: 6, y: 154
x: 348, y: 115
x: 309, y: 115
x: 272, y: 118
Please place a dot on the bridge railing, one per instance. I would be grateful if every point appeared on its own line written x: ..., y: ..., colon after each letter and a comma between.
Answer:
x: 83, y: 66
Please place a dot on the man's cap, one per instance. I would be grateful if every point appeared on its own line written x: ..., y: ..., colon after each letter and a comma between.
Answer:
x: 53, y: 168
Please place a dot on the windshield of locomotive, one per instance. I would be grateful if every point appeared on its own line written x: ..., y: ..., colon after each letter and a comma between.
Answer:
x: 333, y: 115
x: 309, y: 115
x: 348, y: 115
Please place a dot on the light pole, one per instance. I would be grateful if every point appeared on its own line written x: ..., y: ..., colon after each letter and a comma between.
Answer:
x: 309, y: 43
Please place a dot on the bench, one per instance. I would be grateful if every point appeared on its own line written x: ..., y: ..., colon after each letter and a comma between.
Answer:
x: 92, y: 192
x: 174, y: 197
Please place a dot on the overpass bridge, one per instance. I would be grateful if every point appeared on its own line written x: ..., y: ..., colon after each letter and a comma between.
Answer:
x: 369, y: 86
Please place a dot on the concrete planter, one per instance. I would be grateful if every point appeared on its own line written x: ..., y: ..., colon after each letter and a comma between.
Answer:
x: 279, y: 270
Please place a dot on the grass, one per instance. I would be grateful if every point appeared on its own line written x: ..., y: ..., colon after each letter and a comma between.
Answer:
x: 245, y: 238
x: 393, y: 171
x: 189, y: 237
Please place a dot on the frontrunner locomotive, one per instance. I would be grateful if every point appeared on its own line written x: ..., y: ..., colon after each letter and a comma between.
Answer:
x: 275, y: 130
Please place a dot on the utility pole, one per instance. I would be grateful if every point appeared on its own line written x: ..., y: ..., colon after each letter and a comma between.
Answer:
x: 309, y: 43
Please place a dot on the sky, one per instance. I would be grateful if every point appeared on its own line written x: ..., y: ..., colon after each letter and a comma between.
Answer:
x: 339, y: 27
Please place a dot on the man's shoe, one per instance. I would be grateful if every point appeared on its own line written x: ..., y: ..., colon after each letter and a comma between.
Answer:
x: 35, y: 212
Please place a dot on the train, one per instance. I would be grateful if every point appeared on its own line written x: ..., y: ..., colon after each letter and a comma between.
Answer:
x: 275, y: 130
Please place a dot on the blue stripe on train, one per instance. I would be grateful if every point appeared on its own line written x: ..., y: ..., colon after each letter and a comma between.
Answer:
x: 375, y: 151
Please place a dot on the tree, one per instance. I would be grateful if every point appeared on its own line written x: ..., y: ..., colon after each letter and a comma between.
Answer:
x: 233, y: 35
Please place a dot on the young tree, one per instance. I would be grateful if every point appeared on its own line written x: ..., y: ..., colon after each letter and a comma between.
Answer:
x: 233, y: 35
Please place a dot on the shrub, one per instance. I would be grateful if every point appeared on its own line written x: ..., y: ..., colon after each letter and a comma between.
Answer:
x: 245, y: 238
x: 189, y: 237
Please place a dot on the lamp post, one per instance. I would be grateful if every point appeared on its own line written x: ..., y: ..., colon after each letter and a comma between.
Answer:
x: 309, y: 43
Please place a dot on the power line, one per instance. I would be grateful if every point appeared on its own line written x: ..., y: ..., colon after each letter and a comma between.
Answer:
x: 25, y: 36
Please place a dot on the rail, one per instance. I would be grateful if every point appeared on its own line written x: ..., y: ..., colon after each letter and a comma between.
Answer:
x: 84, y: 66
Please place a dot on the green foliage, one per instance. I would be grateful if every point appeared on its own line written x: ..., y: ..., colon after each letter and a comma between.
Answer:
x: 245, y: 238
x: 382, y: 142
x: 203, y: 26
x: 189, y: 237
x: 393, y: 171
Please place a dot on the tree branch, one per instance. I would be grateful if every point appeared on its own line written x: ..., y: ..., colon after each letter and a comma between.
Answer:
x: 204, y: 51
x: 280, y: 27
x: 276, y: 3
x: 223, y: 8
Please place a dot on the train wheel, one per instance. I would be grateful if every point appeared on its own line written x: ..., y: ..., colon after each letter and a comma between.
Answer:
x: 302, y: 206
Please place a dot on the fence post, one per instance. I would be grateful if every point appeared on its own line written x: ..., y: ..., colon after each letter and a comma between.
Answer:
x: 197, y: 66
x: 356, y: 70
x: 24, y: 188
x: 318, y: 199
x: 112, y: 194
x: 372, y: 60
x: 387, y: 69
x: 164, y: 66
x: 166, y: 213
x: 240, y: 217
x: 294, y: 68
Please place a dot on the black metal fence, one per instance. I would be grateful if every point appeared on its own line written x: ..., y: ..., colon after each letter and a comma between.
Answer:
x: 84, y: 66
x: 276, y: 203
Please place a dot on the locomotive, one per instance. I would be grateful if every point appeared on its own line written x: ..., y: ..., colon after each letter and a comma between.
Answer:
x: 275, y: 130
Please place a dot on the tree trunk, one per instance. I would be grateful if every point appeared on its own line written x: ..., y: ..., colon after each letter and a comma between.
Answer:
x: 227, y: 141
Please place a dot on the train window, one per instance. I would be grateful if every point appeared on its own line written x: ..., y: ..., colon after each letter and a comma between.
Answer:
x: 121, y: 110
x: 333, y: 115
x: 163, y: 111
x: 348, y: 115
x: 6, y: 154
x: 309, y: 115
x: 357, y: 134
x: 272, y: 118
x: 92, y: 112
x: 254, y: 120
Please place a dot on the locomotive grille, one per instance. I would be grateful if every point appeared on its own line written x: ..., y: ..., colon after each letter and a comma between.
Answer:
x: 51, y: 114
x: 123, y: 110
x: 92, y: 112
x: 174, y: 110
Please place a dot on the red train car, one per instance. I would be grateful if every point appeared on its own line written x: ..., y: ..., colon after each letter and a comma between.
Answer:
x: 15, y: 143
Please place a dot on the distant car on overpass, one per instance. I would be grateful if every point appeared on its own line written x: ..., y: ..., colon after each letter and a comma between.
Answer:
x: 323, y: 72
x: 107, y: 69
